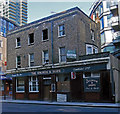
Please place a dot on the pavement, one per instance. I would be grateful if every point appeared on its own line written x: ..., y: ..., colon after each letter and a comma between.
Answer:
x: 81, y: 104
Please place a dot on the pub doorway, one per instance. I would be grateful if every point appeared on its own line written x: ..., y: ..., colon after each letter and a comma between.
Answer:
x: 46, y: 88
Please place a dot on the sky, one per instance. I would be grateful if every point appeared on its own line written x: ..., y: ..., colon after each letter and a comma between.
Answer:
x: 38, y: 9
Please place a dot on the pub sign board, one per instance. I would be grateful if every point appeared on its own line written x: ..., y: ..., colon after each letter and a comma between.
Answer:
x: 92, y: 84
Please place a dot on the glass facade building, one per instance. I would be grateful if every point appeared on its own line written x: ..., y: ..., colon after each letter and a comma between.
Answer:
x: 100, y: 10
x: 15, y: 10
x: 6, y: 25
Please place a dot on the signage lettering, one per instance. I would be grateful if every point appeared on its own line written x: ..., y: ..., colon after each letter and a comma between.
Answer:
x: 92, y: 84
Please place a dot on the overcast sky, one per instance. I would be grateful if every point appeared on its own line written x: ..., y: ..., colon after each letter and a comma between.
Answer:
x: 38, y: 9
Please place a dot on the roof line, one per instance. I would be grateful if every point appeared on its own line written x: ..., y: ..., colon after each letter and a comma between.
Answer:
x: 49, y: 17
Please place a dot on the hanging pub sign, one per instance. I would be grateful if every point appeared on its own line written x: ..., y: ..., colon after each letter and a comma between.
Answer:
x: 52, y: 88
x: 73, y: 75
x: 92, y: 84
x: 71, y: 54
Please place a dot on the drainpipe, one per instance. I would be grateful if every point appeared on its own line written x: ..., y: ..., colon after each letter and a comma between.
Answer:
x: 52, y: 40
x: 112, y: 81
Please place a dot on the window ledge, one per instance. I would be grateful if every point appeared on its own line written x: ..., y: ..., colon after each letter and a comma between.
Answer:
x: 20, y: 91
x: 18, y: 47
x: 33, y: 91
x: 61, y: 36
x: 31, y: 44
x: 63, y: 62
x: 45, y: 40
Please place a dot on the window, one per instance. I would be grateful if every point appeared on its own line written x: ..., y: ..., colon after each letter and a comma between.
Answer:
x: 20, y: 84
x: 92, y: 35
x: 18, y: 62
x: 90, y: 49
x: 91, y: 74
x: 108, y: 4
x: 31, y: 59
x: 31, y: 39
x: 62, y: 54
x: 18, y: 42
x: 45, y: 57
x: 109, y: 20
x: 61, y: 30
x: 101, y: 23
x: 0, y: 68
x: 2, y: 85
x: 1, y: 43
x: 95, y: 50
x: 101, y: 8
x: 33, y: 84
x: 45, y: 34
x: 110, y: 48
x: 102, y: 38
x: 0, y: 56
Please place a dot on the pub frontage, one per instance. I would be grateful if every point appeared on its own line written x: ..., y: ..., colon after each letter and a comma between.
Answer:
x: 94, y: 78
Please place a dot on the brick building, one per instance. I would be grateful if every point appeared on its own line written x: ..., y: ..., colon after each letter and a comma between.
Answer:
x: 45, y: 59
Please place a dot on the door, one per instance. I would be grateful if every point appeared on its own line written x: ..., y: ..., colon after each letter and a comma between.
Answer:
x: 47, y: 88
x: 46, y: 93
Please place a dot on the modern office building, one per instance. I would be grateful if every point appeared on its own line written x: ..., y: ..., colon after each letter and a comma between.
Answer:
x: 100, y: 12
x: 5, y: 26
x: 15, y: 10
x: 115, y: 10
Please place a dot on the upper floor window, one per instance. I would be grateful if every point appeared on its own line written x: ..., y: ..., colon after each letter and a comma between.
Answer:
x: 61, y: 30
x: 45, y: 34
x: 18, y: 62
x: 90, y: 49
x: 33, y: 84
x: 62, y: 54
x: 0, y: 56
x: 103, y: 38
x: 31, y: 39
x: 31, y: 59
x: 1, y: 43
x: 92, y: 35
x: 102, y: 23
x: 45, y: 57
x: 108, y: 4
x: 20, y: 85
x: 18, y: 42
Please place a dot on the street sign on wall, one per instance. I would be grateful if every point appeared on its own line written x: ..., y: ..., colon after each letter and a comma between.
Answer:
x: 92, y: 84
x: 71, y: 54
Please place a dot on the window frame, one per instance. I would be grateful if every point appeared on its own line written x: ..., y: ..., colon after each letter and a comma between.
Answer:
x: 29, y: 58
x: 87, y: 45
x: 20, y: 85
x: 17, y: 61
x: 1, y: 56
x: 61, y: 30
x: 30, y: 38
x: 31, y: 84
x: 1, y: 43
x: 43, y: 57
x: 47, y: 34
x: 62, y: 55
x: 92, y: 47
x: 17, y: 43
x: 92, y: 35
